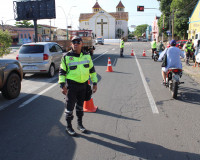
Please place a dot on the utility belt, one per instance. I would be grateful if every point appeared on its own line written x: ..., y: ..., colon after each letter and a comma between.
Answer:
x: 69, y: 81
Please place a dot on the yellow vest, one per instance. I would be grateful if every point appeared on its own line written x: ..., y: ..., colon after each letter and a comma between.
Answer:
x: 78, y: 69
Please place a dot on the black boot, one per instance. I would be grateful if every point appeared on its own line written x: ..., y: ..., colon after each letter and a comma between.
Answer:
x: 69, y: 128
x: 80, y: 126
x: 70, y: 131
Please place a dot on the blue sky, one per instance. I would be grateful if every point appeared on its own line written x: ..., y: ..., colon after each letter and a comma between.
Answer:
x: 73, y: 8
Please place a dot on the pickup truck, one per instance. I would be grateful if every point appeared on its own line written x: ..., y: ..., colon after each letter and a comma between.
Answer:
x: 86, y: 35
x: 11, y: 75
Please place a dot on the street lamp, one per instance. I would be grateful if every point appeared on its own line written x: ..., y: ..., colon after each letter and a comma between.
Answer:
x: 66, y: 16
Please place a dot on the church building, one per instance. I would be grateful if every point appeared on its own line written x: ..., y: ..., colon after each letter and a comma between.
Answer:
x: 109, y: 25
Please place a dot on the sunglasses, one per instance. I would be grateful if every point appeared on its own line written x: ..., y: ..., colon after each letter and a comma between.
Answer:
x: 76, y: 42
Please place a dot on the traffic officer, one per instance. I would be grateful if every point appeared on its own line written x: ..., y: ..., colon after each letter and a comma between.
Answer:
x: 153, y: 47
x: 122, y: 47
x: 75, y: 69
x: 188, y: 50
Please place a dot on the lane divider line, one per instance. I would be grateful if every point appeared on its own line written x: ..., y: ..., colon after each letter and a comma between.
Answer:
x: 36, y: 96
x: 22, y: 96
x: 148, y: 92
x: 100, y: 56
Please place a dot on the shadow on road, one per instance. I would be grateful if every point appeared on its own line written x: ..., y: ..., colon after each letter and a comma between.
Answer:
x: 139, y: 149
x: 189, y: 95
x: 35, y: 132
x: 103, y: 112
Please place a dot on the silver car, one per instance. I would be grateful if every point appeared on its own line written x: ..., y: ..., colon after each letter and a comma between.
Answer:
x: 40, y: 57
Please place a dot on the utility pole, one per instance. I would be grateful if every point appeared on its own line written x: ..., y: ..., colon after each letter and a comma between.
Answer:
x: 163, y: 27
x: 35, y: 27
x: 173, y: 24
x: 50, y: 31
x: 169, y: 28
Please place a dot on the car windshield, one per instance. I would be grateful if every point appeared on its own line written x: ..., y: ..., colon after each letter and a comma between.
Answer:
x: 26, y: 49
x: 99, y: 38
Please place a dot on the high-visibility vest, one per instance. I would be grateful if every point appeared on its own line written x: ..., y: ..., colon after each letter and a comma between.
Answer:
x: 77, y: 68
x: 121, y: 44
x: 153, y: 44
x: 188, y: 47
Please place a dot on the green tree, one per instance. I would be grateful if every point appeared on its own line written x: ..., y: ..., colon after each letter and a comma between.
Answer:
x: 165, y: 9
x: 182, y: 11
x: 5, y: 42
x: 140, y: 29
x: 24, y: 24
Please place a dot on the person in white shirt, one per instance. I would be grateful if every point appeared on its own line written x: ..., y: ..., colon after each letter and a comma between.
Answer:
x: 173, y: 58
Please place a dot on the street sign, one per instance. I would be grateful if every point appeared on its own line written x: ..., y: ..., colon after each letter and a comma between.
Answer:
x: 168, y: 32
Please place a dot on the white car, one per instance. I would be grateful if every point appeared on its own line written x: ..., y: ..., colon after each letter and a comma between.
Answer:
x: 40, y: 57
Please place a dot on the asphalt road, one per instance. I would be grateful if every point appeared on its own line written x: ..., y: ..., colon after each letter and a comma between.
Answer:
x: 136, y: 118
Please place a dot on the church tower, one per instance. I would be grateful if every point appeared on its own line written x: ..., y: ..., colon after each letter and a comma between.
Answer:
x: 96, y: 7
x: 120, y: 7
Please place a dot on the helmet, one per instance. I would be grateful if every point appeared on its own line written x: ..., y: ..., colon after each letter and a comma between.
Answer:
x: 172, y: 42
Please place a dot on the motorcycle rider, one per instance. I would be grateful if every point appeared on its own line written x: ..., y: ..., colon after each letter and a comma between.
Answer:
x: 160, y: 47
x: 153, y: 47
x: 173, y: 59
x: 188, y: 50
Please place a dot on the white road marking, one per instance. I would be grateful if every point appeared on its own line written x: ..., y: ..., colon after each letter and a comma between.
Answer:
x: 148, y: 92
x: 25, y: 90
x: 113, y: 49
x: 100, y: 55
x: 36, y: 96
x: 115, y: 61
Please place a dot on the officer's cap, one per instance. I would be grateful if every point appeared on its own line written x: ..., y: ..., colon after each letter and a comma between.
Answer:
x: 76, y: 38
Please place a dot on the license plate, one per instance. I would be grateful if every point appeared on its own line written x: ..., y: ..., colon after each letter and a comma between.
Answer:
x: 29, y: 68
x: 175, y: 77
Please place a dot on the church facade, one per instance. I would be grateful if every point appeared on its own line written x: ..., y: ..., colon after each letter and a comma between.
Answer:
x: 109, y: 25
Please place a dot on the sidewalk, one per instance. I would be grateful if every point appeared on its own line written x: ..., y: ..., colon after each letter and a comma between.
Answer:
x: 193, y: 72
x: 12, y: 55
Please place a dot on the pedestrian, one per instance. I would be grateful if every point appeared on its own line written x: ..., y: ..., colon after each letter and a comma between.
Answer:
x: 153, y: 47
x: 75, y: 70
x: 122, y: 47
x: 197, y: 48
x: 188, y: 51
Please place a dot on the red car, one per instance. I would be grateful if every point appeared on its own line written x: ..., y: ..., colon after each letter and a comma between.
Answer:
x: 181, y: 43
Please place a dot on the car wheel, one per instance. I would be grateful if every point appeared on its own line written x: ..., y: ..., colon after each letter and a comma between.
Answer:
x: 12, y: 87
x: 24, y: 75
x: 51, y: 71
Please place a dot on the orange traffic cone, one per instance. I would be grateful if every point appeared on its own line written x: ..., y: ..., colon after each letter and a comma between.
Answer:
x: 144, y: 53
x: 132, y: 54
x: 109, y: 66
x: 88, y: 106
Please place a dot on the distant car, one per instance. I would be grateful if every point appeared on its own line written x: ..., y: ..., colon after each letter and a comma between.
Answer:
x: 99, y: 40
x: 40, y: 57
x: 178, y: 43
x: 11, y: 75
x: 144, y: 40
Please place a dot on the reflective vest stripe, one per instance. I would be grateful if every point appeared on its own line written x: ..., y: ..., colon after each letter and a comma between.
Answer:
x: 77, y: 63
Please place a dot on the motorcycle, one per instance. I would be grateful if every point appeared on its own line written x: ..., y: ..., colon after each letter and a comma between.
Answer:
x: 155, y: 56
x: 173, y: 80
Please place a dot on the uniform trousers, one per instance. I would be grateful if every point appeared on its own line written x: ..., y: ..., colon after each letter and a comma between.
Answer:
x: 121, y: 52
x: 75, y: 96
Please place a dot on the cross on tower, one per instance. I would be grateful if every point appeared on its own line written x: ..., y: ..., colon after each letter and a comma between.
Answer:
x: 101, y: 23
